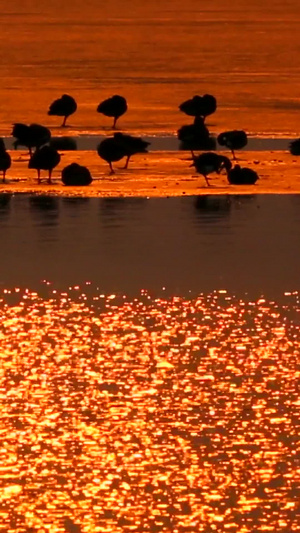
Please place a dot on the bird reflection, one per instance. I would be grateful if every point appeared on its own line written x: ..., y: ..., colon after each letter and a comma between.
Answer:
x: 46, y: 208
x: 243, y: 198
x: 213, y: 207
x: 75, y: 201
x: 5, y: 199
x: 116, y: 207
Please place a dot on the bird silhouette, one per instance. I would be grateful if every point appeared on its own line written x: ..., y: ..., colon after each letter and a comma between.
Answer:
x: 63, y: 143
x: 33, y: 136
x: 75, y: 174
x: 242, y: 176
x: 195, y: 136
x: 131, y: 145
x: 210, y: 162
x: 45, y: 158
x: 5, y: 159
x: 199, y: 106
x: 63, y: 107
x: 234, y: 140
x: 114, y: 107
x: 111, y: 150
x: 295, y: 147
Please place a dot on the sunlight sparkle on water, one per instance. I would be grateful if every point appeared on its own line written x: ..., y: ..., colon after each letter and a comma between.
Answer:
x: 148, y: 414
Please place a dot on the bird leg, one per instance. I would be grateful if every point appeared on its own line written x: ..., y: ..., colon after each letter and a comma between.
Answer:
x: 233, y: 155
x: 114, y: 123
x: 64, y: 122
x: 111, y: 168
x: 50, y: 174
x: 127, y: 161
x: 206, y: 179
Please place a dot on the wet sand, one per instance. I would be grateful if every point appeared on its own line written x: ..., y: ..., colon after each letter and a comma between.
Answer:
x: 156, y: 174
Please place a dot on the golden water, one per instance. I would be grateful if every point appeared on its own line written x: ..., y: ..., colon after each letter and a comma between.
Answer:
x: 156, y: 53
x: 149, y: 414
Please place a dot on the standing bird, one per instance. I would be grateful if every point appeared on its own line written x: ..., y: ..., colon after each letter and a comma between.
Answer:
x: 199, y: 106
x: 295, y: 147
x: 115, y: 107
x: 111, y: 150
x: 33, y: 136
x: 131, y: 145
x: 242, y: 176
x: 195, y: 137
x: 210, y: 162
x: 5, y: 159
x: 46, y: 158
x: 234, y: 140
x: 63, y: 107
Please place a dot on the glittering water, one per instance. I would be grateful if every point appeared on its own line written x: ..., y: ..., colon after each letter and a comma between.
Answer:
x: 149, y: 414
x: 144, y: 409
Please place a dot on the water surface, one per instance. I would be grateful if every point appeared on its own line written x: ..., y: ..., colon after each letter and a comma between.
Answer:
x: 149, y: 371
x: 157, y: 55
x: 244, y: 244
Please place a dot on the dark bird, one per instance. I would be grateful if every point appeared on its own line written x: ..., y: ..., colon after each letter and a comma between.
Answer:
x: 111, y: 150
x: 210, y: 162
x: 63, y: 143
x: 295, y: 147
x: 46, y: 158
x: 33, y: 136
x: 63, y: 107
x: 234, y: 140
x: 199, y: 106
x: 115, y: 107
x: 5, y: 159
x: 195, y: 137
x: 242, y: 176
x: 131, y: 145
x: 75, y: 174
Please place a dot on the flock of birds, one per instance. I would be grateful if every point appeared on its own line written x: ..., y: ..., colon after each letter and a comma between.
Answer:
x: 44, y: 154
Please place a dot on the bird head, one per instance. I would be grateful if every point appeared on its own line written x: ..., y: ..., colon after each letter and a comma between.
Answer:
x: 225, y: 163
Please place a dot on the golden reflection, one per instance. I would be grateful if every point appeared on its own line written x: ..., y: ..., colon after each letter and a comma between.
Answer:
x: 148, y: 415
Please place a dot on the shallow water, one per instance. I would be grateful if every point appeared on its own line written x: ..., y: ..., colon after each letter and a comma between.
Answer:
x: 149, y: 372
x: 242, y: 244
x: 157, y: 55
x: 149, y: 376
